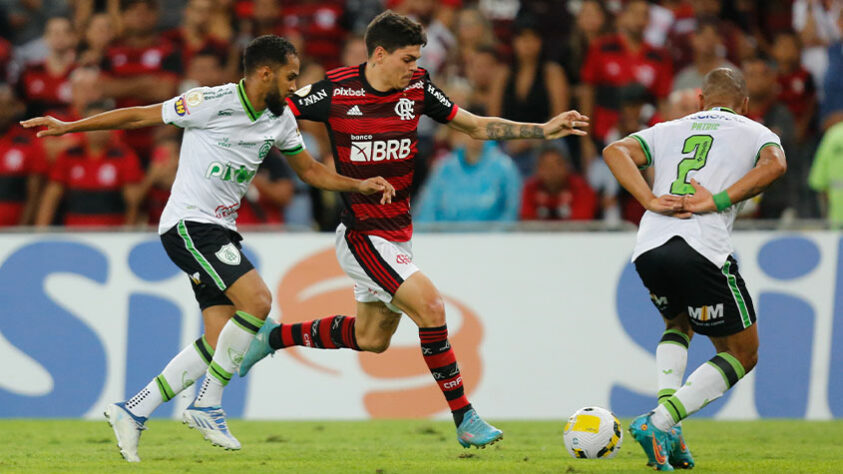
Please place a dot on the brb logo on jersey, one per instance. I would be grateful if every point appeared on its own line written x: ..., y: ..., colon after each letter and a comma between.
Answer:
x: 364, y: 149
x: 404, y: 109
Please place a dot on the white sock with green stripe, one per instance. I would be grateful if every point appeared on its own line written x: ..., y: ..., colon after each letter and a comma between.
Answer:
x: 671, y: 359
x: 182, y: 371
x: 232, y: 344
x: 706, y: 384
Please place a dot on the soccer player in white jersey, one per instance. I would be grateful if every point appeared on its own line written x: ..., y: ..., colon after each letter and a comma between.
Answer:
x: 683, y: 251
x: 228, y: 131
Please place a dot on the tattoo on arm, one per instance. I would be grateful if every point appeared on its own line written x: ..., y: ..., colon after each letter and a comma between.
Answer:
x: 507, y: 131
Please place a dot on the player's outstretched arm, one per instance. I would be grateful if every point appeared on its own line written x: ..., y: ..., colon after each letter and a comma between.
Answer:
x: 126, y: 118
x: 625, y: 157
x: 318, y: 175
x: 771, y: 165
x: 496, y: 128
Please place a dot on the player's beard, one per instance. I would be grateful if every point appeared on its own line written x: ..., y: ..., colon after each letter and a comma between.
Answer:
x: 275, y: 103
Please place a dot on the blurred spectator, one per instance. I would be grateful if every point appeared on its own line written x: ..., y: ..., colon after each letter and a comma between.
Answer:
x: 22, y: 164
x: 476, y: 182
x: 551, y: 20
x: 831, y: 107
x: 98, y: 181
x: 816, y: 21
x: 473, y: 32
x: 440, y: 40
x: 98, y: 35
x: 682, y: 103
x: 319, y: 23
x: 796, y: 86
x: 709, y: 54
x: 354, y: 51
x: 482, y: 70
x: 593, y: 21
x: 204, y: 69
x: 45, y: 85
x: 194, y: 35
x: 6, y: 57
x: 660, y: 25
x: 360, y: 13
x: 681, y: 49
x: 827, y: 174
x: 533, y: 90
x: 84, y: 87
x: 28, y: 18
x: 621, y: 59
x: 635, y: 115
x: 156, y: 184
x: 270, y: 192
x: 143, y: 67
x: 556, y: 192
x: 764, y: 108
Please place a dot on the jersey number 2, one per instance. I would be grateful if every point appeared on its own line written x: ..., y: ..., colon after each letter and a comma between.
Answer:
x: 699, y: 145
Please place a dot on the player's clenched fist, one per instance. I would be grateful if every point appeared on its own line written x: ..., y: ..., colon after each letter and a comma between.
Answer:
x: 375, y: 185
x: 566, y: 123
x: 54, y: 127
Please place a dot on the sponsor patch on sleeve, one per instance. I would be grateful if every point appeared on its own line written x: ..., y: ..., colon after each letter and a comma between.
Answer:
x: 181, y: 108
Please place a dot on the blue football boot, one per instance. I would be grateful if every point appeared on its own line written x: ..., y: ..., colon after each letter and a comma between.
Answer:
x: 259, y: 348
x: 655, y: 442
x: 473, y: 431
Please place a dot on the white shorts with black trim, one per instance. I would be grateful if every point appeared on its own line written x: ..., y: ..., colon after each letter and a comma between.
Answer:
x: 377, y: 266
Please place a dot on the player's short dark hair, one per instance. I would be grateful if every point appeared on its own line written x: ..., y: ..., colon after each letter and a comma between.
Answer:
x: 726, y: 84
x: 267, y: 50
x: 392, y: 31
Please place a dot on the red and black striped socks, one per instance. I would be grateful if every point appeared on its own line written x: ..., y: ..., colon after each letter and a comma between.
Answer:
x: 442, y: 362
x: 335, y: 332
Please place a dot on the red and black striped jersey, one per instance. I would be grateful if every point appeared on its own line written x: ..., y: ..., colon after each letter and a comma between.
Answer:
x: 374, y: 133
x: 21, y: 155
x: 94, y: 183
x: 42, y: 90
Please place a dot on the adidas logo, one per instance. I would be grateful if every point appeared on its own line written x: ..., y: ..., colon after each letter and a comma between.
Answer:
x: 354, y: 111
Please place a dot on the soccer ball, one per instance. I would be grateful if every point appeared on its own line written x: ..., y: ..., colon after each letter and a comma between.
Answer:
x: 593, y: 433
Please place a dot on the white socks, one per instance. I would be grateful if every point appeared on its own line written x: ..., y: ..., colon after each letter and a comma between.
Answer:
x: 180, y: 373
x: 232, y: 344
x: 706, y: 384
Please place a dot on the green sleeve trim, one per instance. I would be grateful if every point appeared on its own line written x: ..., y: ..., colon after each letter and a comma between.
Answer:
x: 647, y: 153
x: 293, y: 151
x: 758, y: 155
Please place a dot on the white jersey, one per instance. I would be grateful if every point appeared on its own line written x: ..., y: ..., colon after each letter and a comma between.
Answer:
x: 224, y: 142
x: 715, y: 147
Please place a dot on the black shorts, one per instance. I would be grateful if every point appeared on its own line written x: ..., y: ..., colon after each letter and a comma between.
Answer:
x: 681, y: 280
x: 211, y: 256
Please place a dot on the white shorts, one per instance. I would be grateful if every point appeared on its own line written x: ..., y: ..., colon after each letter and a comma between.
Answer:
x: 377, y: 266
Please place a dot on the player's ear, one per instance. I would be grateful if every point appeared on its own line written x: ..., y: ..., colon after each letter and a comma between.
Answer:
x: 378, y: 54
x: 745, y: 106
x: 701, y: 101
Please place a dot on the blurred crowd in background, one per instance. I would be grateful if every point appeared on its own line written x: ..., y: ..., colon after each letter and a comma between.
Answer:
x: 628, y: 64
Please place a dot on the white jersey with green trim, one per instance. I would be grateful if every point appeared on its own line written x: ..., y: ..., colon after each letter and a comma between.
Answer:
x: 717, y: 148
x: 225, y: 140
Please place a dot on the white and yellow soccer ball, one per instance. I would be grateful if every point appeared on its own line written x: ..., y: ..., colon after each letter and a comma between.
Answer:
x: 593, y: 433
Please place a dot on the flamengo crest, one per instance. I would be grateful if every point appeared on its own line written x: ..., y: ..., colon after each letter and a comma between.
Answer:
x: 404, y: 109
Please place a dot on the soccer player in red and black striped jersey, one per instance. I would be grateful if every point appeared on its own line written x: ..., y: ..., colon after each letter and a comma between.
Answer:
x: 372, y: 113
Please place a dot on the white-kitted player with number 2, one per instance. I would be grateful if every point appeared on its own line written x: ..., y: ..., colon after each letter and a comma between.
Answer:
x: 228, y: 131
x: 683, y: 252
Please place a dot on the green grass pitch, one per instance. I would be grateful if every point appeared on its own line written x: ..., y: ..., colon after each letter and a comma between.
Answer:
x: 399, y: 446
